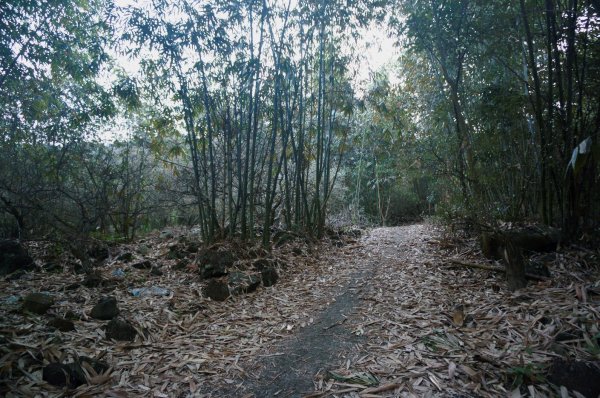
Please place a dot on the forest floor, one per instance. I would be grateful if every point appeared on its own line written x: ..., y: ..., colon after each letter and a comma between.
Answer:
x: 390, y: 314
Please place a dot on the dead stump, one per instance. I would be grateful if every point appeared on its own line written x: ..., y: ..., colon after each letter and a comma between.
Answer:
x: 515, y: 266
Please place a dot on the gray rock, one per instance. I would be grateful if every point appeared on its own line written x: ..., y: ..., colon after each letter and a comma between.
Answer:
x: 156, y: 271
x: 581, y: 376
x: 92, y: 280
x: 269, y: 276
x: 71, y: 315
x: 261, y: 264
x: 216, y: 289
x: 214, y: 263
x: 52, y: 266
x: 241, y: 283
x: 125, y: 257
x: 56, y: 374
x: 14, y: 257
x: 144, y: 264
x: 176, y: 252
x: 62, y: 324
x: 76, y: 374
x: 37, y: 303
x: 193, y: 247
x: 167, y: 234
x: 71, y: 374
x: 120, y: 330
x: 143, y: 250
x: 212, y: 270
x: 98, y: 251
x: 181, y: 264
x: 105, y: 309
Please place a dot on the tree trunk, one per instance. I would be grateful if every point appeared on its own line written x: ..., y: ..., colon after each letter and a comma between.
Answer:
x: 515, y: 266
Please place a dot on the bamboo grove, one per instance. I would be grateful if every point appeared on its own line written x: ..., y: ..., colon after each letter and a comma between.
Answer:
x: 266, y: 104
x: 244, y: 117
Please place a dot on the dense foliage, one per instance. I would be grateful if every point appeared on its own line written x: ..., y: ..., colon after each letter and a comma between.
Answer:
x: 244, y: 116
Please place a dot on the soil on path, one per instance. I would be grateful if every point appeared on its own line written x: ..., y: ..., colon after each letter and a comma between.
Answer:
x: 424, y: 326
x: 394, y: 305
x: 298, y: 362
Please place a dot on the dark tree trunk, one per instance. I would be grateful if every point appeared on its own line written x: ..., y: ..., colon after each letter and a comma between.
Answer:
x: 515, y: 266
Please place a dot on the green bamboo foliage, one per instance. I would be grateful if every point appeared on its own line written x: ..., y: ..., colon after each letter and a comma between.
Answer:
x: 257, y: 84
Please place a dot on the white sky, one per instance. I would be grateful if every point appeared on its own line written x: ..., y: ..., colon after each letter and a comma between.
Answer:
x: 375, y: 49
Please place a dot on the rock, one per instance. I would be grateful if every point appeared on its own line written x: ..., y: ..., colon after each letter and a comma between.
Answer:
x: 580, y: 376
x: 37, y: 303
x: 125, y: 257
x: 14, y: 257
x: 354, y: 233
x: 216, y: 289
x: 167, y: 234
x: 240, y: 283
x: 144, y: 264
x: 56, y: 374
x: 52, y: 266
x: 269, y: 276
x: 98, y: 366
x: 78, y: 268
x: 76, y: 374
x: 193, y: 247
x: 181, y: 264
x: 176, y: 252
x: 62, y: 324
x: 261, y: 264
x: 11, y: 300
x: 156, y: 271
x: 211, y: 270
x: 15, y: 275
x: 120, y: 330
x: 71, y: 374
x: 72, y: 316
x: 105, y: 309
x: 72, y: 286
x: 92, y: 280
x: 537, y: 268
x: 214, y: 263
x: 98, y: 251
x: 143, y: 250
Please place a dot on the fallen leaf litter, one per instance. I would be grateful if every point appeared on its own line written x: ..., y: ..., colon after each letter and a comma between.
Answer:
x: 430, y: 328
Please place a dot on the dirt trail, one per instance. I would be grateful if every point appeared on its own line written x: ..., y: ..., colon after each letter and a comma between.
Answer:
x: 407, y: 315
x: 291, y: 371
x: 393, y: 305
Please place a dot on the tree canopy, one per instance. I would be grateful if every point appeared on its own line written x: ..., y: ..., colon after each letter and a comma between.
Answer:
x: 245, y: 116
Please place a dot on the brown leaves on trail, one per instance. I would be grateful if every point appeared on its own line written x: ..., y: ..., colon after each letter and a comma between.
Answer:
x: 427, y: 328
x: 436, y: 330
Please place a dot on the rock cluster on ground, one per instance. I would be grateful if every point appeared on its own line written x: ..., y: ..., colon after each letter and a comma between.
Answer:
x: 62, y: 324
x: 71, y: 374
x: 224, y: 278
